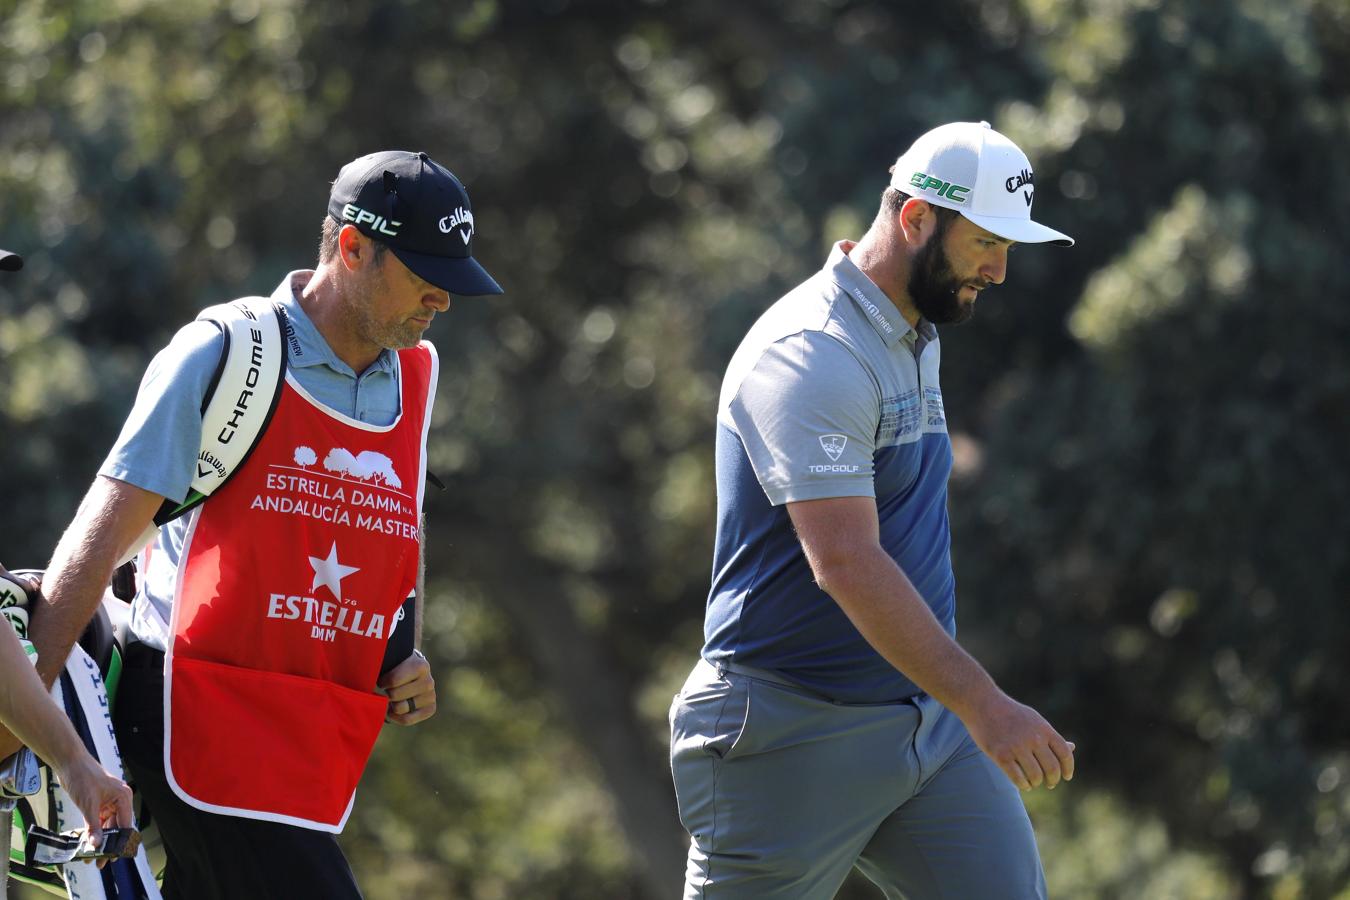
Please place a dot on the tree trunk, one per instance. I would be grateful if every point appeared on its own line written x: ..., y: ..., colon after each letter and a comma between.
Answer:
x: 573, y: 664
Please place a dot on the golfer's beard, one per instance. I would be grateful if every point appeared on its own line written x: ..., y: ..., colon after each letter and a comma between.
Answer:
x: 935, y: 288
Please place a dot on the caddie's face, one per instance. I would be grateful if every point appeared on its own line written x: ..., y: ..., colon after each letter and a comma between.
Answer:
x: 950, y: 271
x: 397, y: 306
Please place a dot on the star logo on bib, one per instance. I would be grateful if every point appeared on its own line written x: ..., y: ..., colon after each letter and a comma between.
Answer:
x: 329, y: 572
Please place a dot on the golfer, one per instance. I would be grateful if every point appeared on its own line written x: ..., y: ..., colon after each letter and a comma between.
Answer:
x: 833, y: 721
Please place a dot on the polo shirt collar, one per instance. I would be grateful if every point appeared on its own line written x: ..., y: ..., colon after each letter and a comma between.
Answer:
x: 305, y: 346
x: 878, y: 308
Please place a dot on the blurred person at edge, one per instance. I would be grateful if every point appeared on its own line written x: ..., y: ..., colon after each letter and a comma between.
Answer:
x: 832, y: 720
x: 33, y: 717
x: 30, y: 714
x: 255, y: 684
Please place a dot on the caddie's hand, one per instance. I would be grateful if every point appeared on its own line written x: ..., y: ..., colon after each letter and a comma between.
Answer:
x: 103, y: 800
x: 1023, y: 744
x: 411, y: 691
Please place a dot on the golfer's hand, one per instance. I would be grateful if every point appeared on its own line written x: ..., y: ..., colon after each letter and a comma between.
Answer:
x: 411, y: 691
x: 103, y: 800
x: 1025, y: 746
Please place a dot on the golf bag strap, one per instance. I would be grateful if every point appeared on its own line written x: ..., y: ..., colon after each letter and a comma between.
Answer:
x: 239, y: 403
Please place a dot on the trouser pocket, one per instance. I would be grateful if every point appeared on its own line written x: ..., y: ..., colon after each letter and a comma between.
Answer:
x: 138, y: 717
x: 707, y: 720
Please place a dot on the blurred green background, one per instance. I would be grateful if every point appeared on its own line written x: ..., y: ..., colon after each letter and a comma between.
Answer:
x: 1151, y: 429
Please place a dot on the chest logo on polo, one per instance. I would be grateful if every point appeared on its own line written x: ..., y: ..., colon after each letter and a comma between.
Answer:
x: 833, y: 445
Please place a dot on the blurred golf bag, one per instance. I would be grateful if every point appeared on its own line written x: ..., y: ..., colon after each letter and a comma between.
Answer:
x: 29, y: 789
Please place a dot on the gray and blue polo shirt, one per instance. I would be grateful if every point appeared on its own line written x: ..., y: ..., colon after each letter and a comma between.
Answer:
x: 830, y: 394
x: 157, y: 449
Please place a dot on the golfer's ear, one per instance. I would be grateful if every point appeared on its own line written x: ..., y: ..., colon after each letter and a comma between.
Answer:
x: 918, y: 221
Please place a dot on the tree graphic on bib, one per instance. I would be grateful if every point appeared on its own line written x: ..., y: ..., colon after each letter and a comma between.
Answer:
x: 305, y: 456
x: 366, y: 465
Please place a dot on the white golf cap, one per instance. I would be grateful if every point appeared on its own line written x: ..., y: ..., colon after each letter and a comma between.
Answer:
x: 971, y: 168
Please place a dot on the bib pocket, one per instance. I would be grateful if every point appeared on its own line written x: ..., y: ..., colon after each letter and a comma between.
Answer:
x: 267, y: 745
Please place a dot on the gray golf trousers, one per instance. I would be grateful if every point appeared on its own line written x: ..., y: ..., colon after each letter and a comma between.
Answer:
x: 783, y: 792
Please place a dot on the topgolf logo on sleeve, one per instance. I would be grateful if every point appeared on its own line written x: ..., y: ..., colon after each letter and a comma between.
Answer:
x: 833, y: 445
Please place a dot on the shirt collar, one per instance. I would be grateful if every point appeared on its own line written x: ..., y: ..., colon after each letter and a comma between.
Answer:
x: 305, y: 346
x: 878, y: 308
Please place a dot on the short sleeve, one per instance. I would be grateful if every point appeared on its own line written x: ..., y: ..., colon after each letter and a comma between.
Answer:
x: 157, y: 449
x: 807, y: 416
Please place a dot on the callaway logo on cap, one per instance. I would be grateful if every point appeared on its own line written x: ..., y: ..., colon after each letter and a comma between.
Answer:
x: 421, y: 211
x: 970, y: 167
x: 10, y: 262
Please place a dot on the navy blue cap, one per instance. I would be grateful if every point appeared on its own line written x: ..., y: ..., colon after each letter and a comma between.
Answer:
x: 414, y: 205
x: 10, y: 262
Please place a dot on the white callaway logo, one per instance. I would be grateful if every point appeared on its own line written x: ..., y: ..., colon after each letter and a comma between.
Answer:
x: 460, y: 216
x: 833, y: 445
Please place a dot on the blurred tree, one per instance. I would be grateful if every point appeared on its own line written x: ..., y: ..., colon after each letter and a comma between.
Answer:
x: 1158, y: 523
x: 1147, y: 426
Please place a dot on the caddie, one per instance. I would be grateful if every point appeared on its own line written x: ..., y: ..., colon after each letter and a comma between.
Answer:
x: 256, y: 681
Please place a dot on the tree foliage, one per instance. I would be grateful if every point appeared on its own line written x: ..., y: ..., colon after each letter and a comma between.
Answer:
x: 1149, y: 427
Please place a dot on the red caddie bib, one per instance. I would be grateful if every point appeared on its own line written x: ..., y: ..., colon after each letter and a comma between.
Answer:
x: 291, y: 579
